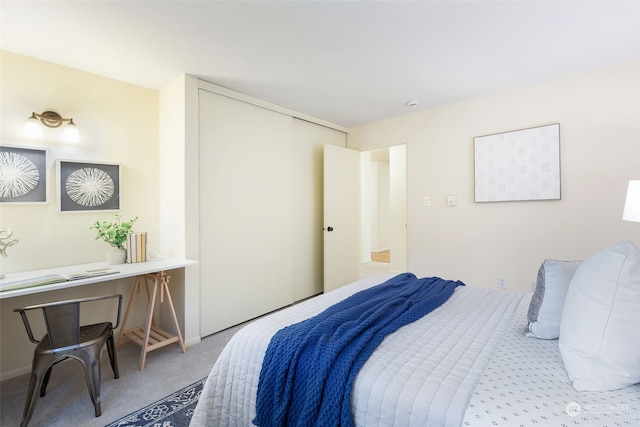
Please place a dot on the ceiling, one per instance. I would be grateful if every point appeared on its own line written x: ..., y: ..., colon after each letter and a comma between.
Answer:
x: 347, y: 62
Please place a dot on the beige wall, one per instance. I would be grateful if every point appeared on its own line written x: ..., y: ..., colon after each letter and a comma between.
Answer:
x: 599, y: 116
x: 118, y: 123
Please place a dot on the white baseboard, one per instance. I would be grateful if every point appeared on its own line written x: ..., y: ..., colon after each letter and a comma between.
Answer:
x: 15, y: 372
x: 192, y: 341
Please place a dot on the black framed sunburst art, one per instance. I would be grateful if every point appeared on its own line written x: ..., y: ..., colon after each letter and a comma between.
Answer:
x: 88, y: 186
x: 23, y: 175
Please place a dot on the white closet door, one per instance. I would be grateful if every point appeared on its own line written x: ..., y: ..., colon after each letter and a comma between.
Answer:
x: 308, y: 146
x: 245, y: 211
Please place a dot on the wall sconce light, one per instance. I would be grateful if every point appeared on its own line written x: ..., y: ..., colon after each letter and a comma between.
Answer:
x: 632, y: 203
x: 33, y: 129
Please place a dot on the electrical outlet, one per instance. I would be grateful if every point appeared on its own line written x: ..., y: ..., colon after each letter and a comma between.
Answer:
x: 502, y: 282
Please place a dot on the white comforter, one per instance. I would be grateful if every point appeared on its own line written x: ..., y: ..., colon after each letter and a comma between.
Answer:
x: 422, y: 375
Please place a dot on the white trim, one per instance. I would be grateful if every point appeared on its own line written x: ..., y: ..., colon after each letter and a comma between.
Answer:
x: 205, y: 85
x: 15, y: 373
x: 192, y: 341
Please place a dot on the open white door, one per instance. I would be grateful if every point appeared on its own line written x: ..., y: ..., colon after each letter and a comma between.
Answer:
x: 341, y: 216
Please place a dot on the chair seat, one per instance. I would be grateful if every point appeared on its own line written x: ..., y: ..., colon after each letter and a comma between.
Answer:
x: 89, y: 335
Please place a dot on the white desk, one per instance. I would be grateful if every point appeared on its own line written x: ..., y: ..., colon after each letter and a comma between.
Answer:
x: 150, y: 275
x: 154, y: 265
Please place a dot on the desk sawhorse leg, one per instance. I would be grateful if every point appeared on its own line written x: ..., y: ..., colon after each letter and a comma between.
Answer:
x: 150, y: 336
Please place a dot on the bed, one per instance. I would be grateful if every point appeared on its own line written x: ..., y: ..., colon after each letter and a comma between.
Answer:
x: 467, y: 363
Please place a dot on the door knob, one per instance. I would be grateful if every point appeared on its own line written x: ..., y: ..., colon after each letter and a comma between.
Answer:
x: 328, y: 228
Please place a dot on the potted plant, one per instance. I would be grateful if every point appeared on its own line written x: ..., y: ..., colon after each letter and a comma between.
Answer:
x: 115, y: 234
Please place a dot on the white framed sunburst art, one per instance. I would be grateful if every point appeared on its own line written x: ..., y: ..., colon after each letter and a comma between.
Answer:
x: 23, y: 175
x: 88, y: 186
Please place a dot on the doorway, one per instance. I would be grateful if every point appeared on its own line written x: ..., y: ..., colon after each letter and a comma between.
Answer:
x: 383, y: 210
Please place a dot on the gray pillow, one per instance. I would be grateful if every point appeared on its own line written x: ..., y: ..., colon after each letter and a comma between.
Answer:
x: 545, y: 309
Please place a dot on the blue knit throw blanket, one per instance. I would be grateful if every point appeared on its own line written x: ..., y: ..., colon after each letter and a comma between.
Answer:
x: 309, y: 367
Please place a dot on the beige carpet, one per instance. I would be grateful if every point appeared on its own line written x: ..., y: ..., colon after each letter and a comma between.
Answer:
x: 67, y: 403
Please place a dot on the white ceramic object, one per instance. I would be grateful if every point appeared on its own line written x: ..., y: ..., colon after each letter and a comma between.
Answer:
x: 116, y: 256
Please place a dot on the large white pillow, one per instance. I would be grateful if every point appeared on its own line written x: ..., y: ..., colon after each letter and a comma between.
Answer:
x: 545, y: 309
x: 600, y: 325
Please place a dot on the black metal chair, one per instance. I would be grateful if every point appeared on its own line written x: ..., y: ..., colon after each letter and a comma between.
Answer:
x: 66, y: 339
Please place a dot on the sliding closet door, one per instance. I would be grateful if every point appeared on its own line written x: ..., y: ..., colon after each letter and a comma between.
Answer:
x: 245, y: 211
x: 309, y: 140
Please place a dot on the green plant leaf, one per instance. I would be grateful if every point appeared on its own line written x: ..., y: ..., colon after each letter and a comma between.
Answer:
x: 114, y: 232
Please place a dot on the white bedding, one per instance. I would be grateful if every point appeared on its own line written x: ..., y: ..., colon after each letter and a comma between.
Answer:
x: 525, y: 384
x: 422, y: 375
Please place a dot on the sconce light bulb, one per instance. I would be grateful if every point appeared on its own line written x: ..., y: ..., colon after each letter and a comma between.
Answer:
x: 71, y: 133
x: 32, y: 127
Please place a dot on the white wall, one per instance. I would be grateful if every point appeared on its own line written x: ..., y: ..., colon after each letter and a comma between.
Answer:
x: 398, y: 207
x: 599, y: 116
x: 376, y: 220
x: 118, y: 123
x: 179, y: 197
x: 368, y: 194
x: 381, y: 223
x: 376, y: 210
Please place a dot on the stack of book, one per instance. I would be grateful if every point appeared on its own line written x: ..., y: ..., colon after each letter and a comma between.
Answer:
x: 137, y: 247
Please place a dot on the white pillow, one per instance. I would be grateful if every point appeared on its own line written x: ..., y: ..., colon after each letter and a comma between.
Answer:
x: 545, y: 309
x: 600, y: 326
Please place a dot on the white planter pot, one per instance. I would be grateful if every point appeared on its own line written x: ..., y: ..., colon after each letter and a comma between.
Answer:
x: 116, y: 256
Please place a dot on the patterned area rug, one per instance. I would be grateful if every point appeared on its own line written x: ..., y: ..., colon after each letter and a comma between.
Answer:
x: 174, y: 410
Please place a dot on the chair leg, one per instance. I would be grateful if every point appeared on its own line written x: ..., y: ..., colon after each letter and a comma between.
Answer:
x: 91, y: 361
x: 45, y: 381
x: 113, y: 358
x: 35, y: 384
